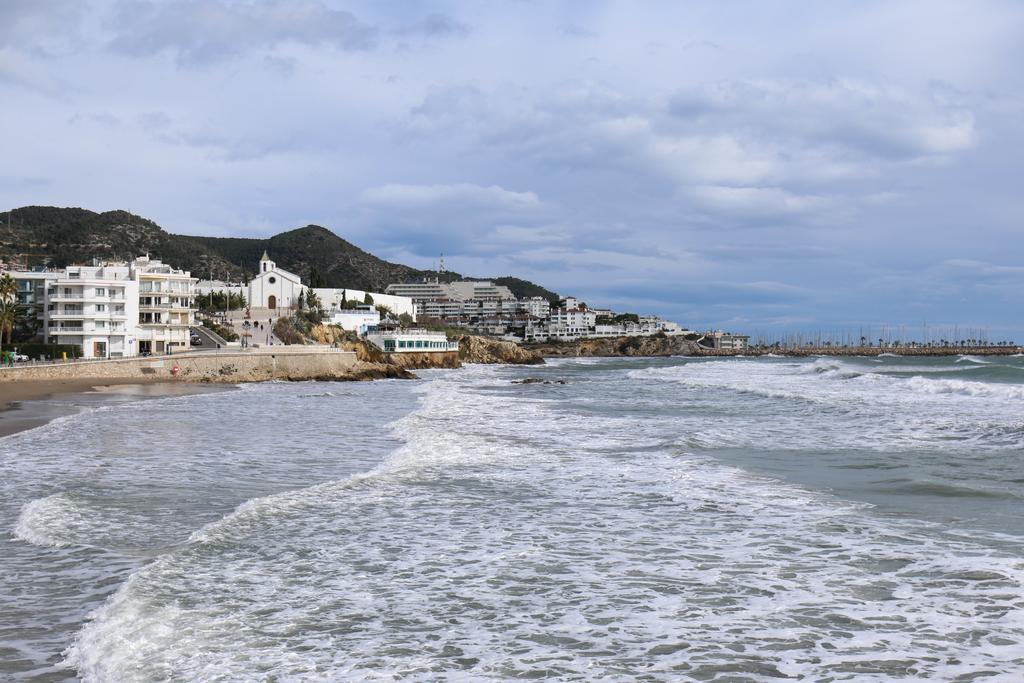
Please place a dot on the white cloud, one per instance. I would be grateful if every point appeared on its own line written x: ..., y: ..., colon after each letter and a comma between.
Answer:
x: 199, y: 31
x: 459, y: 194
x: 756, y: 201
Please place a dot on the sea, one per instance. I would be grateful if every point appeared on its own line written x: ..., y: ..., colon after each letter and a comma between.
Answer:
x: 671, y: 519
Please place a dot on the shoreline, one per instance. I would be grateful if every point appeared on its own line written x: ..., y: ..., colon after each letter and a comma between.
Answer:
x: 30, y: 404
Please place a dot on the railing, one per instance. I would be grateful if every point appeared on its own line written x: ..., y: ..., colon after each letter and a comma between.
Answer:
x: 414, y: 332
x: 66, y: 330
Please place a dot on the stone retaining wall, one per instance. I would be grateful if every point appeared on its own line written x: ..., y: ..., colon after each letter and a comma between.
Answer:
x: 213, y: 367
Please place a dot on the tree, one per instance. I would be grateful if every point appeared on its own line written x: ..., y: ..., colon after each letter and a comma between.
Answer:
x: 316, y: 280
x: 8, y: 307
x: 302, y: 299
x: 8, y: 287
x: 405, y: 319
x: 312, y: 300
x: 8, y: 314
x: 368, y: 300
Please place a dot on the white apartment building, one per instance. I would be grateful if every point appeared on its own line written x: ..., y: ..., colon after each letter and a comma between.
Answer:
x: 727, y: 341
x: 166, y: 308
x: 460, y: 290
x: 537, y: 306
x: 568, y: 324
x: 439, y: 308
x: 113, y: 310
x: 92, y: 307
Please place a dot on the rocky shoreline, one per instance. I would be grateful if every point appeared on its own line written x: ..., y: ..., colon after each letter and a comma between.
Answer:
x: 663, y: 345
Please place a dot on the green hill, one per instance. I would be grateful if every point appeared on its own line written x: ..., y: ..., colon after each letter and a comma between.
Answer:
x: 46, y: 235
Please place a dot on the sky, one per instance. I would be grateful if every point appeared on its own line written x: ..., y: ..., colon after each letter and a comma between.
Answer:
x: 760, y: 167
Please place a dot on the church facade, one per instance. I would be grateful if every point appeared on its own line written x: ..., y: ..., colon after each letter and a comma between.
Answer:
x: 274, y: 287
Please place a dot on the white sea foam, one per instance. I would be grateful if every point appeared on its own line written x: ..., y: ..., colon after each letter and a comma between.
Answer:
x: 523, y: 537
x: 54, y: 521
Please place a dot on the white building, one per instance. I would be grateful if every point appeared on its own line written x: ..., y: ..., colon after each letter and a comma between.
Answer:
x: 113, y: 310
x: 93, y: 307
x: 274, y: 287
x: 460, y: 290
x: 569, y: 324
x: 333, y: 298
x: 359, y: 319
x: 411, y: 341
x: 536, y: 306
x: 727, y: 341
x: 166, y: 308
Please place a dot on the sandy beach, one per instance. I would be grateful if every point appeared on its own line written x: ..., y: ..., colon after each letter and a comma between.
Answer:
x: 31, y: 404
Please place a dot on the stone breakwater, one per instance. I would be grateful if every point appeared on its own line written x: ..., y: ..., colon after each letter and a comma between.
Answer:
x: 230, y: 368
x: 663, y: 345
x: 871, y: 351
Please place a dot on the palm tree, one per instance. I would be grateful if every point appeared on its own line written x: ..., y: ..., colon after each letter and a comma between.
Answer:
x: 8, y: 314
x: 8, y: 287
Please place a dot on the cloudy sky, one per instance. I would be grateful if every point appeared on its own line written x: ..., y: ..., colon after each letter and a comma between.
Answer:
x: 759, y: 166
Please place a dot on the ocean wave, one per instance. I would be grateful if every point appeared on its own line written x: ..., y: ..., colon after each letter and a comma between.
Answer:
x: 513, y: 536
x: 955, y: 387
x: 933, y: 488
x: 539, y: 571
x: 971, y: 359
x: 55, y: 521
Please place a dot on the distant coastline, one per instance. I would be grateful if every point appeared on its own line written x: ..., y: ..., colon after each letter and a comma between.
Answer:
x: 868, y: 351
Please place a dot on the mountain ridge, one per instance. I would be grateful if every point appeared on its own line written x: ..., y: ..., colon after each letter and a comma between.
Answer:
x: 59, y: 236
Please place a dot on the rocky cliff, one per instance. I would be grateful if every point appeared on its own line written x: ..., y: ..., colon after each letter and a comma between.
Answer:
x: 657, y: 345
x: 473, y: 349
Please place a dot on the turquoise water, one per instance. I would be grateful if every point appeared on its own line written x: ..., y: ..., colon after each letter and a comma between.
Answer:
x: 655, y: 519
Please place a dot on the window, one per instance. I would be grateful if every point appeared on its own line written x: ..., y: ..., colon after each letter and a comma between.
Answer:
x: 101, y: 308
x: 271, y: 279
x: 101, y: 324
x: 101, y: 291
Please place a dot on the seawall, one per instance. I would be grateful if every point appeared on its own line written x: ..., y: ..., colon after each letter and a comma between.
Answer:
x: 228, y: 367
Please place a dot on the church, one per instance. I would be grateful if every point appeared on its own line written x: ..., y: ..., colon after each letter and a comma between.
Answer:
x: 274, y: 287
x: 278, y: 290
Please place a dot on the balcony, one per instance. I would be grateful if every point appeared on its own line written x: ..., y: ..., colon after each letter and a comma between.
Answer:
x: 66, y: 330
